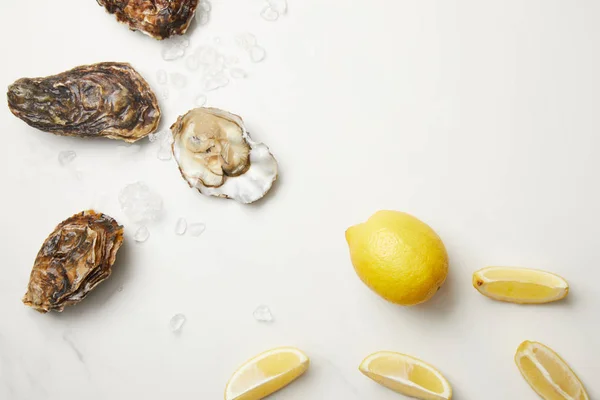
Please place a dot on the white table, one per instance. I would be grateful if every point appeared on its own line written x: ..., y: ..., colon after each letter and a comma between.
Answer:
x: 479, y: 117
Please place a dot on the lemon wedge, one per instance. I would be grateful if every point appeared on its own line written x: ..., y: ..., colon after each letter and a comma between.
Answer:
x: 406, y: 375
x: 520, y: 285
x: 547, y: 373
x: 266, y: 373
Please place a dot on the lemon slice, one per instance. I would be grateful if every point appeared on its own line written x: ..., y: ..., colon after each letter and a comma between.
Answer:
x: 547, y: 373
x: 520, y: 285
x: 266, y: 373
x: 406, y: 375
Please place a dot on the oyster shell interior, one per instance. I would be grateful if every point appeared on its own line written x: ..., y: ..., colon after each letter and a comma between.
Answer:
x: 217, y: 156
x: 73, y: 260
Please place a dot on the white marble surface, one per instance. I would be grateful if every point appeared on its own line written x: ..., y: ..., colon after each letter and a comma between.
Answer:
x: 480, y: 117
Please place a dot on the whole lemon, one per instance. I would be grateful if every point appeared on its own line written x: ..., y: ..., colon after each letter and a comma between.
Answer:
x: 398, y: 256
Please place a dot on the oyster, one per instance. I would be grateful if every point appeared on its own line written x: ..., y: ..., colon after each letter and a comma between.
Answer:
x: 106, y: 99
x: 157, y: 18
x: 216, y: 155
x: 75, y: 258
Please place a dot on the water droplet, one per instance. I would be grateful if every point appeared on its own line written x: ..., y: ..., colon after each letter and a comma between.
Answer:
x: 278, y: 5
x: 263, y: 314
x: 142, y: 234
x: 161, y: 76
x: 257, y: 54
x: 176, y: 323
x: 238, y: 73
x: 66, y: 157
x: 245, y: 40
x: 178, y: 80
x: 174, y: 48
x: 200, y: 100
x: 196, y: 229
x: 180, y: 226
x: 269, y: 14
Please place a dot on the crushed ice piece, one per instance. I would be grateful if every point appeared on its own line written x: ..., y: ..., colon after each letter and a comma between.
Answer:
x: 128, y: 150
x: 180, y: 226
x: 120, y: 288
x: 257, y: 54
x: 161, y: 77
x: 207, y: 55
x: 217, y: 40
x: 203, y: 12
x: 66, y: 157
x: 176, y: 323
x: 280, y: 6
x: 141, y: 235
x: 216, y: 81
x: 200, y: 100
x: 164, y: 152
x: 139, y: 203
x: 174, y: 48
x: 196, y: 229
x: 192, y: 63
x: 238, y: 73
x: 263, y: 314
x: 178, y: 80
x: 231, y: 60
x: 246, y: 40
x: 269, y: 14
x: 164, y: 93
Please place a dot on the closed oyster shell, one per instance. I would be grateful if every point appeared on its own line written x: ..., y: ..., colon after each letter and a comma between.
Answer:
x: 159, y: 19
x: 107, y: 99
x: 217, y: 156
x: 73, y: 260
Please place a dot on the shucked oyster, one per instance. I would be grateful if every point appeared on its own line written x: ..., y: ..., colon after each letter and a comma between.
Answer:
x: 217, y: 156
x: 75, y: 258
x: 107, y: 99
x: 157, y: 18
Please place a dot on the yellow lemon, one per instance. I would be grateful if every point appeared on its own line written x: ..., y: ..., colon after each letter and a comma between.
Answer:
x: 266, y: 373
x: 547, y: 373
x: 406, y: 375
x: 398, y: 256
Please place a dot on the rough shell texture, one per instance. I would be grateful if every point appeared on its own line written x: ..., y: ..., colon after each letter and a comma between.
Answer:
x: 157, y: 18
x: 106, y: 99
x: 75, y: 258
x: 197, y: 141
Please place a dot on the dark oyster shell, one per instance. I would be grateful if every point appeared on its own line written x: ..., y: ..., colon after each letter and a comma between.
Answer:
x: 106, y: 99
x: 75, y: 258
x: 157, y: 18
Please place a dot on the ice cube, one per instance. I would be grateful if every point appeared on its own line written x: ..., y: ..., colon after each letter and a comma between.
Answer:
x: 246, y: 40
x: 141, y: 235
x: 263, y: 314
x: 200, y: 100
x: 176, y: 323
x: 269, y: 14
x: 139, y: 203
x: 66, y: 157
x: 174, y: 48
x: 180, y: 226
x: 257, y: 54
x: 161, y: 76
x: 196, y: 229
x: 238, y: 73
x: 280, y: 6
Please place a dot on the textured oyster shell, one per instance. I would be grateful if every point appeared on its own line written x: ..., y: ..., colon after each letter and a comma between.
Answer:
x: 73, y: 260
x: 247, y: 181
x: 157, y: 18
x: 106, y: 99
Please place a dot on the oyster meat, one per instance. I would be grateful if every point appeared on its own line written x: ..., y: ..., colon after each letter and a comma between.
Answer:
x: 76, y: 257
x: 216, y: 155
x: 107, y: 99
x: 157, y: 18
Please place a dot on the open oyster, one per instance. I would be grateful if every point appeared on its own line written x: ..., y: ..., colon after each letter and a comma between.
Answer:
x: 217, y: 156
x: 157, y: 18
x: 106, y: 99
x: 75, y: 258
